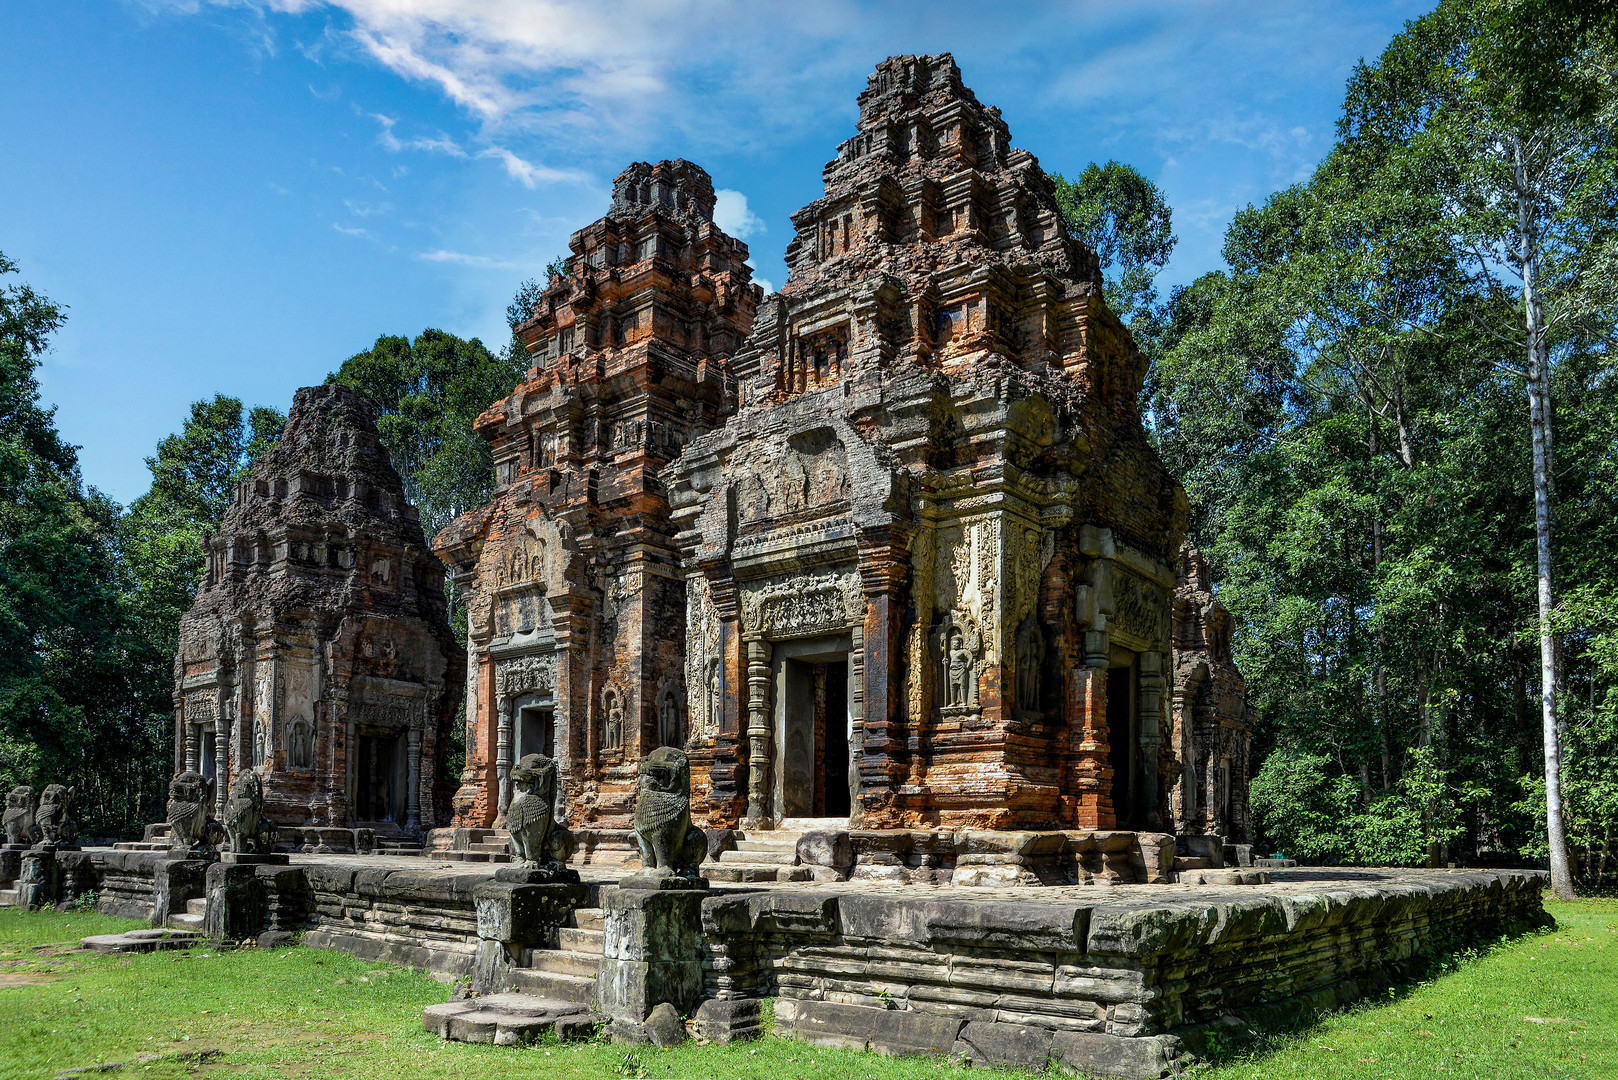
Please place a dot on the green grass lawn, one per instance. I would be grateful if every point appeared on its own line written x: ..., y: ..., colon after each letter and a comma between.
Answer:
x: 1544, y: 1005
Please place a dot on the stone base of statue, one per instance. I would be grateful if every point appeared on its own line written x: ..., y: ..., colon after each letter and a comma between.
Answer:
x: 39, y: 877
x: 11, y: 861
x: 513, y: 916
x: 652, y: 952
x: 255, y: 858
x: 662, y: 880
x: 238, y: 899
x: 537, y: 875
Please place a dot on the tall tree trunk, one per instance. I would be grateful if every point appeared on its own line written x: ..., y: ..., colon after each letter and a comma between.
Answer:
x: 1539, y: 422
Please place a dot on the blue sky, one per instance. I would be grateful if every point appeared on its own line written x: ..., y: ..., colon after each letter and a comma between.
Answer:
x: 235, y: 196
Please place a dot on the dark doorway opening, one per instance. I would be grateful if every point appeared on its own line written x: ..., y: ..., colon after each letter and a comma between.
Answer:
x: 377, y: 785
x: 834, y: 797
x: 813, y: 734
x: 536, y: 732
x: 1122, y: 754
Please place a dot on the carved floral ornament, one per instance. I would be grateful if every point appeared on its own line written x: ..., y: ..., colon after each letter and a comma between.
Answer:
x: 803, y: 604
x: 525, y: 675
x: 1140, y: 608
x: 389, y: 712
x: 201, y: 709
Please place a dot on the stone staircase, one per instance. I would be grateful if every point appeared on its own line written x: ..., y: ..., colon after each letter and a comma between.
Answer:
x: 760, y: 855
x: 191, y: 919
x: 567, y: 970
x: 8, y: 897
x: 402, y: 845
x: 484, y: 845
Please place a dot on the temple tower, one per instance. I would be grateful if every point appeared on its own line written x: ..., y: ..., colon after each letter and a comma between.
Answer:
x: 575, y: 599
x: 318, y: 650
x: 929, y: 558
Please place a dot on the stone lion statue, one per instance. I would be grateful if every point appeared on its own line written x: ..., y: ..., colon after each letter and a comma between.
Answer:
x: 537, y: 839
x: 189, y: 796
x: 55, y: 824
x: 249, y: 831
x: 669, y: 844
x: 20, y: 828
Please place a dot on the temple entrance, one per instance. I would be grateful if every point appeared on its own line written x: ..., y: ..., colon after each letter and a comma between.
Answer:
x: 536, y: 731
x: 207, y: 763
x: 378, y: 779
x: 812, y: 732
x: 1123, y: 743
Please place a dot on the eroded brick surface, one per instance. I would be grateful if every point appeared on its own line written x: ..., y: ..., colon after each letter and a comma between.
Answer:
x: 575, y: 597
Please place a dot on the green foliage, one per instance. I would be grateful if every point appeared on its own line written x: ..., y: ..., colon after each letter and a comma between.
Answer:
x: 426, y: 395
x: 67, y: 710
x: 1127, y: 220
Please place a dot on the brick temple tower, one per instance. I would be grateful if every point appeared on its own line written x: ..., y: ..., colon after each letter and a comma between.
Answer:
x: 930, y: 557
x: 575, y: 599
x: 318, y: 650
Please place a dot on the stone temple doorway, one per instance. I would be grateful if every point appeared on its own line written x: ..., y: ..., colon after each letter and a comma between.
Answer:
x: 812, y: 730
x: 1123, y: 741
x: 379, y: 783
x: 536, y: 730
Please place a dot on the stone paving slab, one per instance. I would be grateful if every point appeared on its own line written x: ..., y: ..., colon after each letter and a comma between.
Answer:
x: 507, y: 1019
x: 141, y: 941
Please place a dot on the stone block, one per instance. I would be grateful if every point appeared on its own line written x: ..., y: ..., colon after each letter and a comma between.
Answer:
x: 896, y: 1032
x: 826, y: 848
x: 238, y: 903
x: 727, y: 1020
x: 1119, y: 930
x: 524, y: 914
x: 827, y: 1023
x: 631, y: 989
x: 795, y: 913
x: 652, y: 925
x: 1052, y: 927
x: 987, y: 1044
x: 1096, y: 1054
x: 882, y: 917
x: 664, y: 1026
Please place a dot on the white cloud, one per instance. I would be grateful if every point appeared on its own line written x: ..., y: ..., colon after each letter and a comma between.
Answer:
x: 464, y: 259
x: 348, y: 230
x: 526, y: 173
x: 730, y: 213
x: 765, y: 284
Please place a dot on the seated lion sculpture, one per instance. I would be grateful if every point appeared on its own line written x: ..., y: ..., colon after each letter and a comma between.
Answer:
x: 669, y: 844
x: 537, y: 838
x: 249, y: 830
x: 55, y: 822
x: 19, y: 819
x: 189, y: 796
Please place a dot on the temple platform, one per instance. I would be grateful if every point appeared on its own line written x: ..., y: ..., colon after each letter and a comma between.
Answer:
x: 1127, y: 978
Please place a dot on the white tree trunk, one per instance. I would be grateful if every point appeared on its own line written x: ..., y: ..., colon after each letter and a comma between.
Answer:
x: 1539, y: 421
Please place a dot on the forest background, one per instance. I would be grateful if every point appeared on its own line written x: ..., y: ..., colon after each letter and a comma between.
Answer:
x: 1395, y: 412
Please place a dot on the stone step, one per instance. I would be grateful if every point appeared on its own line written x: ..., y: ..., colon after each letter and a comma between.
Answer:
x: 8, y: 897
x: 801, y: 825
x: 197, y: 906
x: 186, y: 921
x: 494, y: 846
x: 552, y: 984
x: 572, y: 939
x: 509, y: 1019
x: 562, y: 963
x: 399, y: 851
x: 788, y: 847
x: 760, y: 858
x: 589, y: 918
x: 469, y: 856
x: 1182, y: 862
x: 743, y: 873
